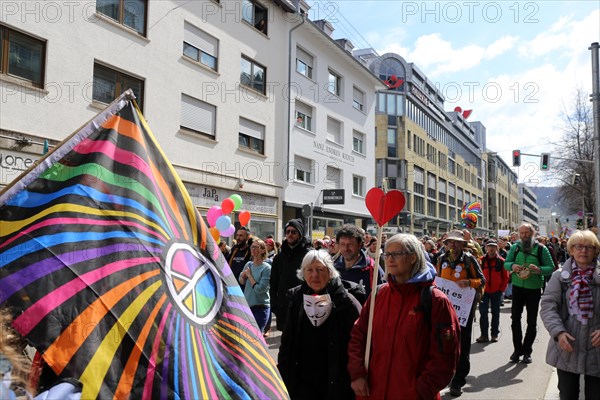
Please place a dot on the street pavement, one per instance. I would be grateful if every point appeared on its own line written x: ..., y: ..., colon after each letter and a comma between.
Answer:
x: 493, y: 376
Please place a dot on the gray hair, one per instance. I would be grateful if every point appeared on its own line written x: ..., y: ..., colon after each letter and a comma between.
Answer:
x: 413, y: 246
x: 321, y: 256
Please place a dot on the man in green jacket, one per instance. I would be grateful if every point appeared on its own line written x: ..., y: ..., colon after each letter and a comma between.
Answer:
x: 530, y: 263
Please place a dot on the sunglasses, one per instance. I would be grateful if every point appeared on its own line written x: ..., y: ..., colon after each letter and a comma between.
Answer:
x: 291, y: 232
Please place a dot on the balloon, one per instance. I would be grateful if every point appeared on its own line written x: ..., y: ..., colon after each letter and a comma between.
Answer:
x: 229, y: 232
x: 214, y: 232
x: 223, y: 223
x: 213, y: 213
x: 227, y: 205
x: 244, y: 217
x: 237, y: 201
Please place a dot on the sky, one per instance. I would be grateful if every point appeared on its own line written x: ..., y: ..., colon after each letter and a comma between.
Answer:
x: 516, y: 64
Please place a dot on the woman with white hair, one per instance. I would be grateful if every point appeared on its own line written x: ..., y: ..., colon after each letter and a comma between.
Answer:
x: 415, y: 344
x: 570, y: 310
x: 313, y: 356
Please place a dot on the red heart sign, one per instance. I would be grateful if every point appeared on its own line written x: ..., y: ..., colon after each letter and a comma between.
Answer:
x: 384, y: 206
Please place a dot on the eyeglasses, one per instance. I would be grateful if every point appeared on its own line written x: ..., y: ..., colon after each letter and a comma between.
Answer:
x: 255, y: 247
x: 291, y: 232
x: 580, y: 247
x: 396, y: 254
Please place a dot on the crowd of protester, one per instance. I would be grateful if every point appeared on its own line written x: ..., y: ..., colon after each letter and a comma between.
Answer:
x: 319, y: 290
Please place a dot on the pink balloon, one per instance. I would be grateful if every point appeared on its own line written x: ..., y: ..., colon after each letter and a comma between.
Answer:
x: 227, y: 205
x: 244, y: 218
x: 229, y: 231
x: 213, y: 214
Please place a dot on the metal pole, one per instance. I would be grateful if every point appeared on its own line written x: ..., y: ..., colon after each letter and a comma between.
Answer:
x: 595, y: 98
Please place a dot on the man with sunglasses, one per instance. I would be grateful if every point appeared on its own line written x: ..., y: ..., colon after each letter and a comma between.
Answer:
x: 285, y: 264
x: 529, y: 271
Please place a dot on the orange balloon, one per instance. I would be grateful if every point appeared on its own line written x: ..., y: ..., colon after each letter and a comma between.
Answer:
x: 214, y: 232
x: 227, y: 206
x: 244, y: 218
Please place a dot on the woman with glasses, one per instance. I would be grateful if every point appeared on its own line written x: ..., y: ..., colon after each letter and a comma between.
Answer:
x: 313, y: 356
x: 255, y: 279
x: 570, y: 310
x: 415, y: 346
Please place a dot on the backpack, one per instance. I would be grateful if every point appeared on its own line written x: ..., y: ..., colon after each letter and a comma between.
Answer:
x: 540, y: 252
x: 425, y: 302
x: 479, y: 291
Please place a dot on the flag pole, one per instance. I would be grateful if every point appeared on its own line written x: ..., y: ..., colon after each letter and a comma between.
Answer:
x: 384, y: 187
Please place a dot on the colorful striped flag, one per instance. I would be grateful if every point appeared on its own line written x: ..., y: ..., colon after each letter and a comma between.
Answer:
x: 111, y: 274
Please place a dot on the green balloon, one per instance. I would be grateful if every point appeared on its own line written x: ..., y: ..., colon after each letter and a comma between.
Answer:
x: 237, y: 201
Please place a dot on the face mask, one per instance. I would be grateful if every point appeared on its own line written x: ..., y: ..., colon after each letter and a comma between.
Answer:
x: 317, y: 308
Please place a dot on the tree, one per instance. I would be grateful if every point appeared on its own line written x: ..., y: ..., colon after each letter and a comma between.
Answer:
x: 577, y: 143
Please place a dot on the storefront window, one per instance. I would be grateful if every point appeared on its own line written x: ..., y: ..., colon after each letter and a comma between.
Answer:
x: 325, y: 226
x: 262, y: 227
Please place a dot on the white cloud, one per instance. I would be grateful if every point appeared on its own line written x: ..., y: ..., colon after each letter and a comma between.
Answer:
x: 566, y: 35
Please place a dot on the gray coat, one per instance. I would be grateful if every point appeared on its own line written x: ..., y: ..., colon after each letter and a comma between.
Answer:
x: 585, y: 359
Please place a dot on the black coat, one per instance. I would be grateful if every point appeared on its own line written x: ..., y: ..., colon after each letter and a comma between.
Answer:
x: 283, y: 277
x: 313, y: 361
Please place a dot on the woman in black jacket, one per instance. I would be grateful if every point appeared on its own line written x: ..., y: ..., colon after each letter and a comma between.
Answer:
x: 313, y: 356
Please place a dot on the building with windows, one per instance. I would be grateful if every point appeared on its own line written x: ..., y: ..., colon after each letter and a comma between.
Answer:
x: 331, y: 145
x: 528, y: 209
x: 203, y: 73
x: 503, y: 195
x: 435, y: 157
x: 230, y: 116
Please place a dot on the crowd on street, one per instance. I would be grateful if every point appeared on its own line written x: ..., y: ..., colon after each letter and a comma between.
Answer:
x: 417, y: 342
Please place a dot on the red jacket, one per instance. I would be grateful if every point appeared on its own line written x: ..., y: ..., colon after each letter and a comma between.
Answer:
x: 496, y: 277
x: 409, y: 360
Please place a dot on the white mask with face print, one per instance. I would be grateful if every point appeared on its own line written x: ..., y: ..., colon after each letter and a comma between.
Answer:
x: 317, y: 308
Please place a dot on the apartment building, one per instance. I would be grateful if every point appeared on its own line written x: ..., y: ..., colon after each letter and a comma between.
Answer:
x: 528, y: 209
x: 433, y: 156
x: 503, y: 195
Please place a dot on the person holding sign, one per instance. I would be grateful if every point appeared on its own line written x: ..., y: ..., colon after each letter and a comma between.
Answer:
x: 462, y: 268
x: 415, y: 343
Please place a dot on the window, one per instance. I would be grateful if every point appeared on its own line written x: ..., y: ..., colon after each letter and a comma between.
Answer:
x: 431, y: 186
x: 252, y: 136
x: 198, y: 116
x: 131, y: 13
x: 419, y: 181
x: 334, y: 130
x: 110, y: 84
x: 303, y: 169
x: 255, y: 14
x: 303, y: 116
x: 22, y: 56
x: 200, y: 46
x: 334, y: 83
x: 391, y: 142
x: 358, y: 185
x: 358, y: 99
x: 304, y: 63
x: 253, y: 75
x: 358, y: 142
x: 333, y: 178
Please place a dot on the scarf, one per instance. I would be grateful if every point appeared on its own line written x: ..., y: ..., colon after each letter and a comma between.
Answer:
x: 581, y: 304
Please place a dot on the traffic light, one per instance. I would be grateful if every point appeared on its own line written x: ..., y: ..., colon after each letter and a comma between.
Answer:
x: 516, y: 158
x: 545, y: 162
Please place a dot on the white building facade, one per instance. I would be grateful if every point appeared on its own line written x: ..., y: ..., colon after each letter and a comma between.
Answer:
x: 332, y: 135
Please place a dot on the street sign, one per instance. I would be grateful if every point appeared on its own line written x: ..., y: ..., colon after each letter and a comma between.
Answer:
x: 307, y: 211
x: 333, y: 196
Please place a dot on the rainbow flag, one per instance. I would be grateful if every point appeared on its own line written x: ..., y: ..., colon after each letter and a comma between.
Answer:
x: 111, y: 274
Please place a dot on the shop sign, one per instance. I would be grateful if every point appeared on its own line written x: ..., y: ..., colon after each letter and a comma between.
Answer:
x: 333, y: 196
